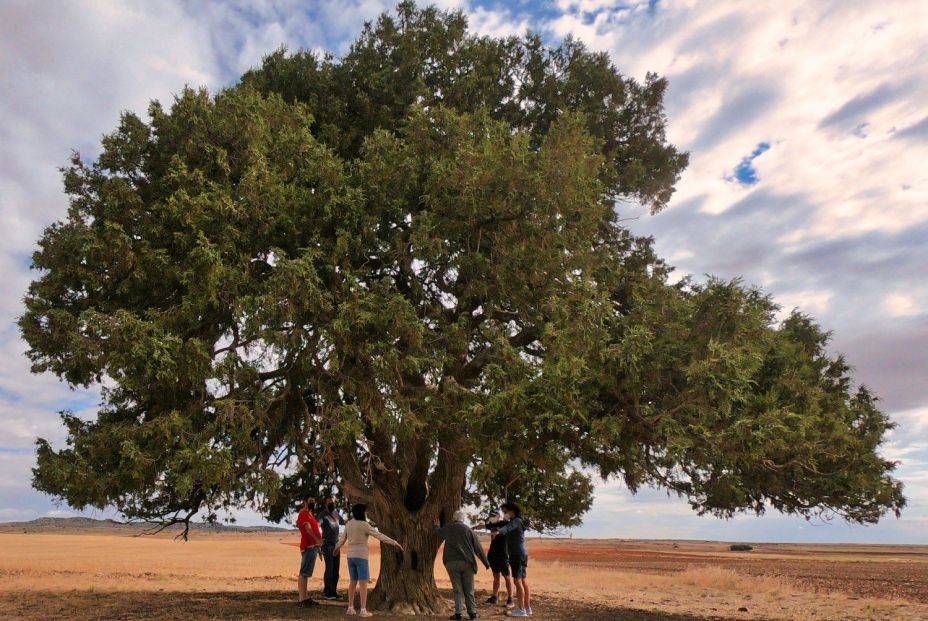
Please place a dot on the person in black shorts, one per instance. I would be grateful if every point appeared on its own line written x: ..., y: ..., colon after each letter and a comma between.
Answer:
x: 499, y: 561
x: 514, y: 532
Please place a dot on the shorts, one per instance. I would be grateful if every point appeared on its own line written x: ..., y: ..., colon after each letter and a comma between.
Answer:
x: 519, y: 566
x: 500, y: 566
x: 308, y: 562
x: 358, y: 570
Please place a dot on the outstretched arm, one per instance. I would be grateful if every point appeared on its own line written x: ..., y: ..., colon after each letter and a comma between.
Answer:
x: 479, y: 551
x: 509, y: 526
x: 373, y: 532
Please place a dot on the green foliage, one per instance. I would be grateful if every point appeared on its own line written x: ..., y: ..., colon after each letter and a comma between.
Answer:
x: 403, y: 271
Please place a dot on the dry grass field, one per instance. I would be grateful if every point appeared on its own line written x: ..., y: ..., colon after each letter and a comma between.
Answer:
x: 232, y: 576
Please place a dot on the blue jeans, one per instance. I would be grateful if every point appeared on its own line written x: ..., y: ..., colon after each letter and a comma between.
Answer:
x: 358, y: 569
x: 330, y: 580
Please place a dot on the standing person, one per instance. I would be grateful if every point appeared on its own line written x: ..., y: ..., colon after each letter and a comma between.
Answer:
x: 356, y: 532
x: 514, y: 532
x: 499, y: 561
x: 462, y: 548
x: 310, y: 540
x: 331, y: 521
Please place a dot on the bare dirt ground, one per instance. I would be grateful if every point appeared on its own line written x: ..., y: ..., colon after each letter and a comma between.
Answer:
x: 114, y: 575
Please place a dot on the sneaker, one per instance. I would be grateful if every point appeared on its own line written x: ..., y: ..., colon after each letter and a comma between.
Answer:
x: 456, y: 617
x: 330, y: 597
x: 473, y: 615
x: 364, y: 613
x: 510, y: 603
x: 491, y: 600
x: 529, y: 611
x: 517, y: 612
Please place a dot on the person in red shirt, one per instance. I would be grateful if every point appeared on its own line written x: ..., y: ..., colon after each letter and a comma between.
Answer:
x: 310, y: 540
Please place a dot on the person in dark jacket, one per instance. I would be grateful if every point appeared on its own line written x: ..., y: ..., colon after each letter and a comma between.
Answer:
x: 514, y: 532
x: 330, y: 521
x: 499, y: 561
x: 462, y: 549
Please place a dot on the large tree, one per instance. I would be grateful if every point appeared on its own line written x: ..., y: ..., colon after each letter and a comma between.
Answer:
x: 403, y: 270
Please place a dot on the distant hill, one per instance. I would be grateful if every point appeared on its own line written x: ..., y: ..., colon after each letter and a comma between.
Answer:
x: 71, y: 524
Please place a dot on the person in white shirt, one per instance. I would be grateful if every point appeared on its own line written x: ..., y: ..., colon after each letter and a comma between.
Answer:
x: 355, y: 535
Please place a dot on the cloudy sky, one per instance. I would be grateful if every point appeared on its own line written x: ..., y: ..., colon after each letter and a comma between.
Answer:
x: 807, y: 124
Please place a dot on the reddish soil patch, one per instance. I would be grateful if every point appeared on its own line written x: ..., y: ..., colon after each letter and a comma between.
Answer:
x: 858, y: 573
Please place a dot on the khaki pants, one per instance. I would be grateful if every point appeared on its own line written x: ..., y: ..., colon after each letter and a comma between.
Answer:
x: 462, y: 581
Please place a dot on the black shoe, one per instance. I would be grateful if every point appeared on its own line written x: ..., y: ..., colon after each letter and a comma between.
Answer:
x: 308, y: 602
x: 491, y: 600
x: 456, y: 617
x: 473, y: 615
x: 330, y: 597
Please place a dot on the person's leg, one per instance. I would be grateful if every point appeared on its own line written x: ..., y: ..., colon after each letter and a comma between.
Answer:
x: 527, y: 594
x: 467, y: 584
x: 352, y: 583
x: 305, y: 572
x: 362, y: 587
x: 328, y: 585
x: 302, y: 587
x: 352, y: 586
x: 495, y: 593
x: 336, y: 573
x: 457, y: 586
x: 508, y: 588
x: 518, y: 592
x: 364, y: 575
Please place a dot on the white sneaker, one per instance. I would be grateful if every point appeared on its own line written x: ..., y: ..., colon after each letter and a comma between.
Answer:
x: 528, y: 611
x: 517, y: 612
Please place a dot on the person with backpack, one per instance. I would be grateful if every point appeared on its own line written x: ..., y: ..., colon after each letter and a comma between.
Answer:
x: 514, y: 532
x: 499, y: 561
x: 462, y: 549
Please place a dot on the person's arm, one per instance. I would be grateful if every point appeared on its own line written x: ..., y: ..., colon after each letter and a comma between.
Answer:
x: 478, y: 548
x: 508, y: 527
x: 373, y: 532
x: 341, y: 541
x: 439, y: 530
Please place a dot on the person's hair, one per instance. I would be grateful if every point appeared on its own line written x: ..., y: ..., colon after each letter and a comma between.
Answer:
x: 307, y: 497
x: 459, y: 516
x: 359, y: 512
x: 512, y: 507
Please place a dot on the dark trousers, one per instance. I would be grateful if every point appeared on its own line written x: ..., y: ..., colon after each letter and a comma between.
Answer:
x: 330, y: 580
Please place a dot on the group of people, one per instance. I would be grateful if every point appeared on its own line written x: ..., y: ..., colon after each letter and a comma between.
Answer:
x: 325, y: 533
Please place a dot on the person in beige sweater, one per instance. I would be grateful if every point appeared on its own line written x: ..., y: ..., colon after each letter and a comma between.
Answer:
x: 356, y: 533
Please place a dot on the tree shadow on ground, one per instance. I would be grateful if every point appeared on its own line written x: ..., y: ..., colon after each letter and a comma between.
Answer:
x: 87, y: 605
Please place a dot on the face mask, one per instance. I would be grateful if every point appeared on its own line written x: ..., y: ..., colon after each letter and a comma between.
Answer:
x: 331, y: 506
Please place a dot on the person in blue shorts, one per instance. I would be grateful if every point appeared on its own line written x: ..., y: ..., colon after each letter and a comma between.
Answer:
x: 355, y: 535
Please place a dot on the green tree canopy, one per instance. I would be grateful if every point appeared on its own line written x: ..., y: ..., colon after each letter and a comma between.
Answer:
x: 402, y: 270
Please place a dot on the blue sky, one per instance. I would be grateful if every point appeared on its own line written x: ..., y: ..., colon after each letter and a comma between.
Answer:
x: 807, y: 124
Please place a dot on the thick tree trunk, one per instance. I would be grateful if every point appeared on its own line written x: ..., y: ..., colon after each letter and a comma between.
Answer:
x: 406, y: 584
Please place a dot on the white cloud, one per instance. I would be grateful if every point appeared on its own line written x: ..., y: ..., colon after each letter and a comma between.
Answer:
x: 904, y: 304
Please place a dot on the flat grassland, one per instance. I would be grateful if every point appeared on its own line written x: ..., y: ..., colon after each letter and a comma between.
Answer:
x: 237, y: 576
